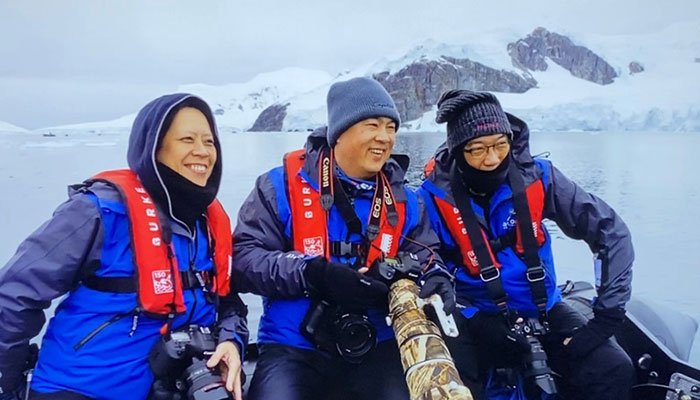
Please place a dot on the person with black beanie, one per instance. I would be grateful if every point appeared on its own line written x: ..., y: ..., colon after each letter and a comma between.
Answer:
x: 482, y: 187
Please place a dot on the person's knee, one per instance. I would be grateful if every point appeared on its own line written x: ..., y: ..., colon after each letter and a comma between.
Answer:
x: 621, y: 369
x: 611, y: 367
x: 286, y: 373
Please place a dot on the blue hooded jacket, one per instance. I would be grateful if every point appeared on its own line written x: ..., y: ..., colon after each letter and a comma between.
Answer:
x: 89, y: 235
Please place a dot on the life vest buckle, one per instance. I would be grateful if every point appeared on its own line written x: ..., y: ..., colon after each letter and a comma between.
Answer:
x: 490, y: 273
x: 536, y: 274
x: 345, y: 249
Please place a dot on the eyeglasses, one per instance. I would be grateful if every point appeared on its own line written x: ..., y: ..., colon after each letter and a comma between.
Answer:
x: 479, y: 151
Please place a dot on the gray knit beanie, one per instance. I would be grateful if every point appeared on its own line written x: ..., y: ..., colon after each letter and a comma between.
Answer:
x: 352, y: 101
x: 470, y: 115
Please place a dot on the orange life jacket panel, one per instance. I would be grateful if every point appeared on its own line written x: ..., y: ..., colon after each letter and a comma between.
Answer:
x: 156, y: 273
x: 453, y: 220
x: 309, y: 220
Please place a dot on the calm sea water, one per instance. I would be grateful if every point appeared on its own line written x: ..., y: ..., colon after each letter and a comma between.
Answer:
x: 651, y: 179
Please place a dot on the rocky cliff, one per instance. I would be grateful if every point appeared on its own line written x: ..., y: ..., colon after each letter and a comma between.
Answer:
x: 417, y: 87
x: 271, y: 119
x: 532, y: 52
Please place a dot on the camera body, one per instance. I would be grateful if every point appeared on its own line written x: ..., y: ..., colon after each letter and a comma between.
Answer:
x: 183, y: 354
x: 404, y: 265
x: 536, y: 371
x: 349, y: 335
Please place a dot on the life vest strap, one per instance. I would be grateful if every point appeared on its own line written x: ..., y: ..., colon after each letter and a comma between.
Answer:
x: 503, y: 242
x: 127, y: 284
x: 497, y: 245
x: 309, y: 230
x: 528, y: 231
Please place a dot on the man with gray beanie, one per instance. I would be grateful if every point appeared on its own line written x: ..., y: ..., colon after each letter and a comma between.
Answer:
x: 481, y: 187
x: 309, y: 238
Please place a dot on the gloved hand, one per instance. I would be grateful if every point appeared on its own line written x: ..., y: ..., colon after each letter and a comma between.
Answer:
x: 439, y: 283
x: 16, y: 393
x: 595, y: 332
x: 13, y: 384
x: 492, y: 330
x: 340, y: 284
x: 161, y: 390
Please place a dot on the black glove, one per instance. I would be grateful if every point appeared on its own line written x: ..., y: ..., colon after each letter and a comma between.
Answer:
x: 440, y: 284
x: 492, y: 330
x: 16, y: 393
x: 340, y: 284
x: 12, y: 371
x: 161, y: 390
x: 597, y: 331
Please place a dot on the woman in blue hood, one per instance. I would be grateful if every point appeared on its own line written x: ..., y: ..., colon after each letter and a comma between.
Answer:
x: 141, y: 252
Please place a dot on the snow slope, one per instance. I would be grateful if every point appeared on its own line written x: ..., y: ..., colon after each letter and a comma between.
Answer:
x: 237, y: 105
x: 121, y: 123
x: 8, y: 127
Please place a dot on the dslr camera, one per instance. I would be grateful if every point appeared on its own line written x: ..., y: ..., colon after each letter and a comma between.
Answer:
x: 404, y: 265
x: 178, y: 362
x: 350, y: 334
x: 538, y: 375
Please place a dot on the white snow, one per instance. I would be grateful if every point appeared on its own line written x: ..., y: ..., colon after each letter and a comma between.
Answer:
x: 122, y: 123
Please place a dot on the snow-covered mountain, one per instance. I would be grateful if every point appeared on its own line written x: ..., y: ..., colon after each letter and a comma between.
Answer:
x: 237, y: 105
x: 8, y: 127
x: 553, y: 80
x: 664, y: 95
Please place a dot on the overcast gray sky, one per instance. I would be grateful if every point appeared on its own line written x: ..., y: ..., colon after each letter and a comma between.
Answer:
x: 69, y: 61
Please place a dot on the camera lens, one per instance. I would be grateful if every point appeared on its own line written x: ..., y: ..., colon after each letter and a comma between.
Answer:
x: 355, y: 336
x: 204, y: 384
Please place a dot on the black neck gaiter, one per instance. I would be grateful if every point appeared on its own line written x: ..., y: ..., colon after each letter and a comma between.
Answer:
x: 482, y: 183
x: 189, y: 200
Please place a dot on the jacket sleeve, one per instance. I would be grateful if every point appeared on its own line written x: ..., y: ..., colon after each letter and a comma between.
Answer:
x: 232, y: 321
x: 263, y: 262
x: 581, y: 215
x: 49, y: 263
x: 421, y: 240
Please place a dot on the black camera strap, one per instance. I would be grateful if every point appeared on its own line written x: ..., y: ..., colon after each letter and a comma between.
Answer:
x: 490, y: 275
x: 325, y: 177
x: 535, y: 271
x: 332, y: 192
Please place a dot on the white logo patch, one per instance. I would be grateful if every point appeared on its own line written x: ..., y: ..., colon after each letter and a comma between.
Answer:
x: 386, y: 242
x: 313, y: 246
x: 162, y: 282
x: 472, y: 258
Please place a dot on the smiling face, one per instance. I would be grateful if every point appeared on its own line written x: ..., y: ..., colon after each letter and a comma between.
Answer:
x: 362, y: 150
x: 188, y: 146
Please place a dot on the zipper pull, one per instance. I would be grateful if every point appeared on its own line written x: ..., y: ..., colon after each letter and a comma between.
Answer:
x: 201, y: 282
x: 134, y: 323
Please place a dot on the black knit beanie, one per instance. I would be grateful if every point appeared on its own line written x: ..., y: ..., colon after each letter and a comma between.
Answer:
x: 470, y: 115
